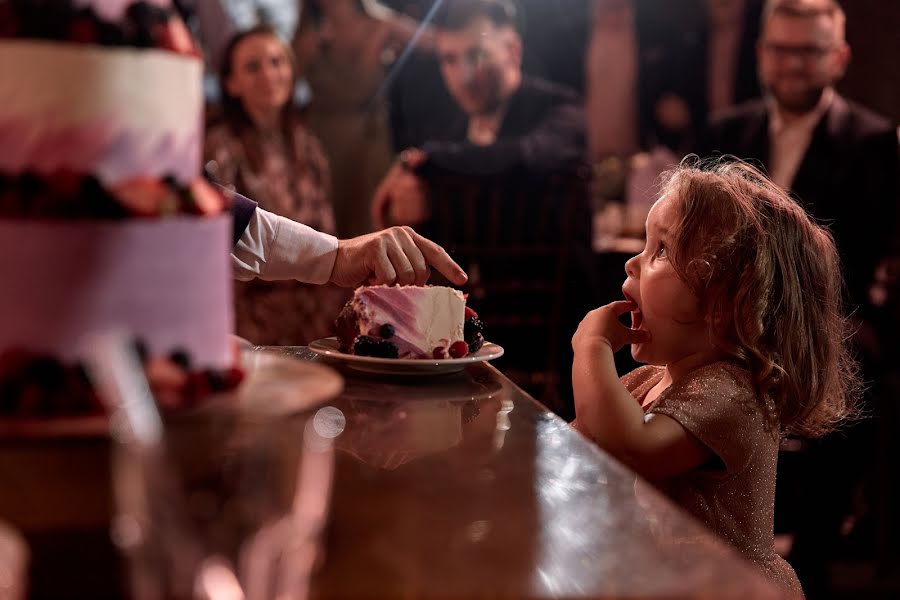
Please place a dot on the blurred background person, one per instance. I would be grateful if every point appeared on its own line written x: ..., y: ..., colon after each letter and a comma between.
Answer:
x: 217, y: 21
x: 357, y: 42
x: 837, y: 156
x: 263, y: 151
x: 502, y: 185
x: 507, y: 123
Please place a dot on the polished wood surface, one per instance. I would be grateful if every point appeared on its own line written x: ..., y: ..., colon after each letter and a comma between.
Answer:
x: 449, y: 486
x: 463, y: 486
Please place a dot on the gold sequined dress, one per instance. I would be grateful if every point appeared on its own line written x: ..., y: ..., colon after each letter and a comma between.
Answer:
x: 734, y: 494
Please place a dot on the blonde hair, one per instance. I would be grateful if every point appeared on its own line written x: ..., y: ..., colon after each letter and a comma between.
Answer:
x: 771, y: 280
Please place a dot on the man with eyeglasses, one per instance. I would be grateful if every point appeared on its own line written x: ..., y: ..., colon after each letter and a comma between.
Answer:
x: 838, y: 157
x: 841, y: 161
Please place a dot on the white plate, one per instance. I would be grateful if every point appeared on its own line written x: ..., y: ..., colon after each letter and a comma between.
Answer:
x: 329, y: 348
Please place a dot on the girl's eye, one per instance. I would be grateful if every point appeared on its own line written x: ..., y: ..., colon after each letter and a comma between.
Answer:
x: 661, y: 252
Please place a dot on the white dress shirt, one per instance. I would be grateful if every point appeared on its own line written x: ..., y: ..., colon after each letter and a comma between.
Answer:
x: 276, y: 248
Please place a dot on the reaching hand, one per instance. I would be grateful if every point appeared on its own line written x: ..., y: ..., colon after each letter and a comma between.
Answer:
x: 602, y: 326
x: 401, y: 197
x: 396, y: 255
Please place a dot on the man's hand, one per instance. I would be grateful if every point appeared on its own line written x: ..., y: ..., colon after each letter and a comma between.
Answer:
x: 396, y: 255
x: 402, y: 196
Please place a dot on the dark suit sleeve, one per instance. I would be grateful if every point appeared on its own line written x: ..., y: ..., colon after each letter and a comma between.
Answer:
x: 556, y: 143
x: 242, y: 209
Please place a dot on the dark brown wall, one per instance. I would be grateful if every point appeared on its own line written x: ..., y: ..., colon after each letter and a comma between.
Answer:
x: 873, y: 31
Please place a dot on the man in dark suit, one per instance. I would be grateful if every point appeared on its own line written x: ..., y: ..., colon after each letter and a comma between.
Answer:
x: 841, y: 161
x: 837, y: 157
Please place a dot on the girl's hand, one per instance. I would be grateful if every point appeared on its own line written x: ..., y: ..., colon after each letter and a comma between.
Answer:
x: 602, y: 326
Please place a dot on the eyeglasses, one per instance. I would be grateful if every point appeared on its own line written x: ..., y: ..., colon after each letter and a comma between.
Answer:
x: 806, y: 53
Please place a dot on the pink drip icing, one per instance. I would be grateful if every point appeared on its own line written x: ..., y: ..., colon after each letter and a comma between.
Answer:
x: 96, y: 147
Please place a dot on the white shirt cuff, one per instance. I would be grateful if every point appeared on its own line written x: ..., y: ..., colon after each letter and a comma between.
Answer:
x: 275, y: 248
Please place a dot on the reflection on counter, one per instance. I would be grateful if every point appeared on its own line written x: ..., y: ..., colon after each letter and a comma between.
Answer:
x: 392, y: 422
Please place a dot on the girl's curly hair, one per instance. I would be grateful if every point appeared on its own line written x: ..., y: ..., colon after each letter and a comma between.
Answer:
x: 770, y: 279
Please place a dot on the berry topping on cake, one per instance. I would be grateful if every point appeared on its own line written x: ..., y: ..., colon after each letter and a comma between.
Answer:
x: 369, y: 346
x: 474, y: 334
x: 458, y: 349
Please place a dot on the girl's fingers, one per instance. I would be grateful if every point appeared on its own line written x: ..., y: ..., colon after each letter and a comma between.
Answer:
x: 636, y: 336
x: 620, y: 307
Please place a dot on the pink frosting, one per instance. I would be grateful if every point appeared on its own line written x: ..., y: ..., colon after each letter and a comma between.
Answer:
x: 97, y: 148
x: 165, y: 281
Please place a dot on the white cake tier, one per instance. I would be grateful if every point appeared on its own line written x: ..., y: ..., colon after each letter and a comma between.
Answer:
x: 165, y: 281
x: 117, y: 113
x: 113, y: 10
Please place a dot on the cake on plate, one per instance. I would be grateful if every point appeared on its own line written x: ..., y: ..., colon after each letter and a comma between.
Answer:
x: 424, y: 322
x: 105, y: 220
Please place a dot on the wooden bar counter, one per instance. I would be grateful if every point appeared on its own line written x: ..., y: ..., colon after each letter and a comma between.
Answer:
x: 463, y: 486
x: 444, y: 486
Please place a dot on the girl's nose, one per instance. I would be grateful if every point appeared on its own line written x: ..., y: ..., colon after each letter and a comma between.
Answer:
x: 631, y: 266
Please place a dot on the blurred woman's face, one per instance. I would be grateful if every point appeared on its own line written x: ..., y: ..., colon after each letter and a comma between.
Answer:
x: 261, y: 75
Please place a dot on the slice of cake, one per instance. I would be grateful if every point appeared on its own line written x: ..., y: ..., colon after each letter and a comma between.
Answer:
x: 408, y: 322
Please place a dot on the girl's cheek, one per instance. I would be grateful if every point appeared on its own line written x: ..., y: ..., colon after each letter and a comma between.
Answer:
x: 671, y: 301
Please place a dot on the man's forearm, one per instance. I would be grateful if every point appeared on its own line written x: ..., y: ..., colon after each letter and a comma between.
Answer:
x: 273, y: 248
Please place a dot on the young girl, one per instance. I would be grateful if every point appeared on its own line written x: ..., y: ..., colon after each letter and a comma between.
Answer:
x: 735, y: 308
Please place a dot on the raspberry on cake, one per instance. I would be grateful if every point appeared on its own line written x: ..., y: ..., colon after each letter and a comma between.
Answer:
x: 408, y: 322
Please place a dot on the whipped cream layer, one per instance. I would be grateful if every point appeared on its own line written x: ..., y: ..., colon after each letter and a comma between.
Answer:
x: 113, y: 10
x: 424, y: 318
x: 116, y: 113
x: 164, y: 281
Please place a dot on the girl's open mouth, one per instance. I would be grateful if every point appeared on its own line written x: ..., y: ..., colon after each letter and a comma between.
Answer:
x: 636, y: 316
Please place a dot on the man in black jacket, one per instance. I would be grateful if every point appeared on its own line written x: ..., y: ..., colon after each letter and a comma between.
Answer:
x: 501, y: 185
x: 509, y: 124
